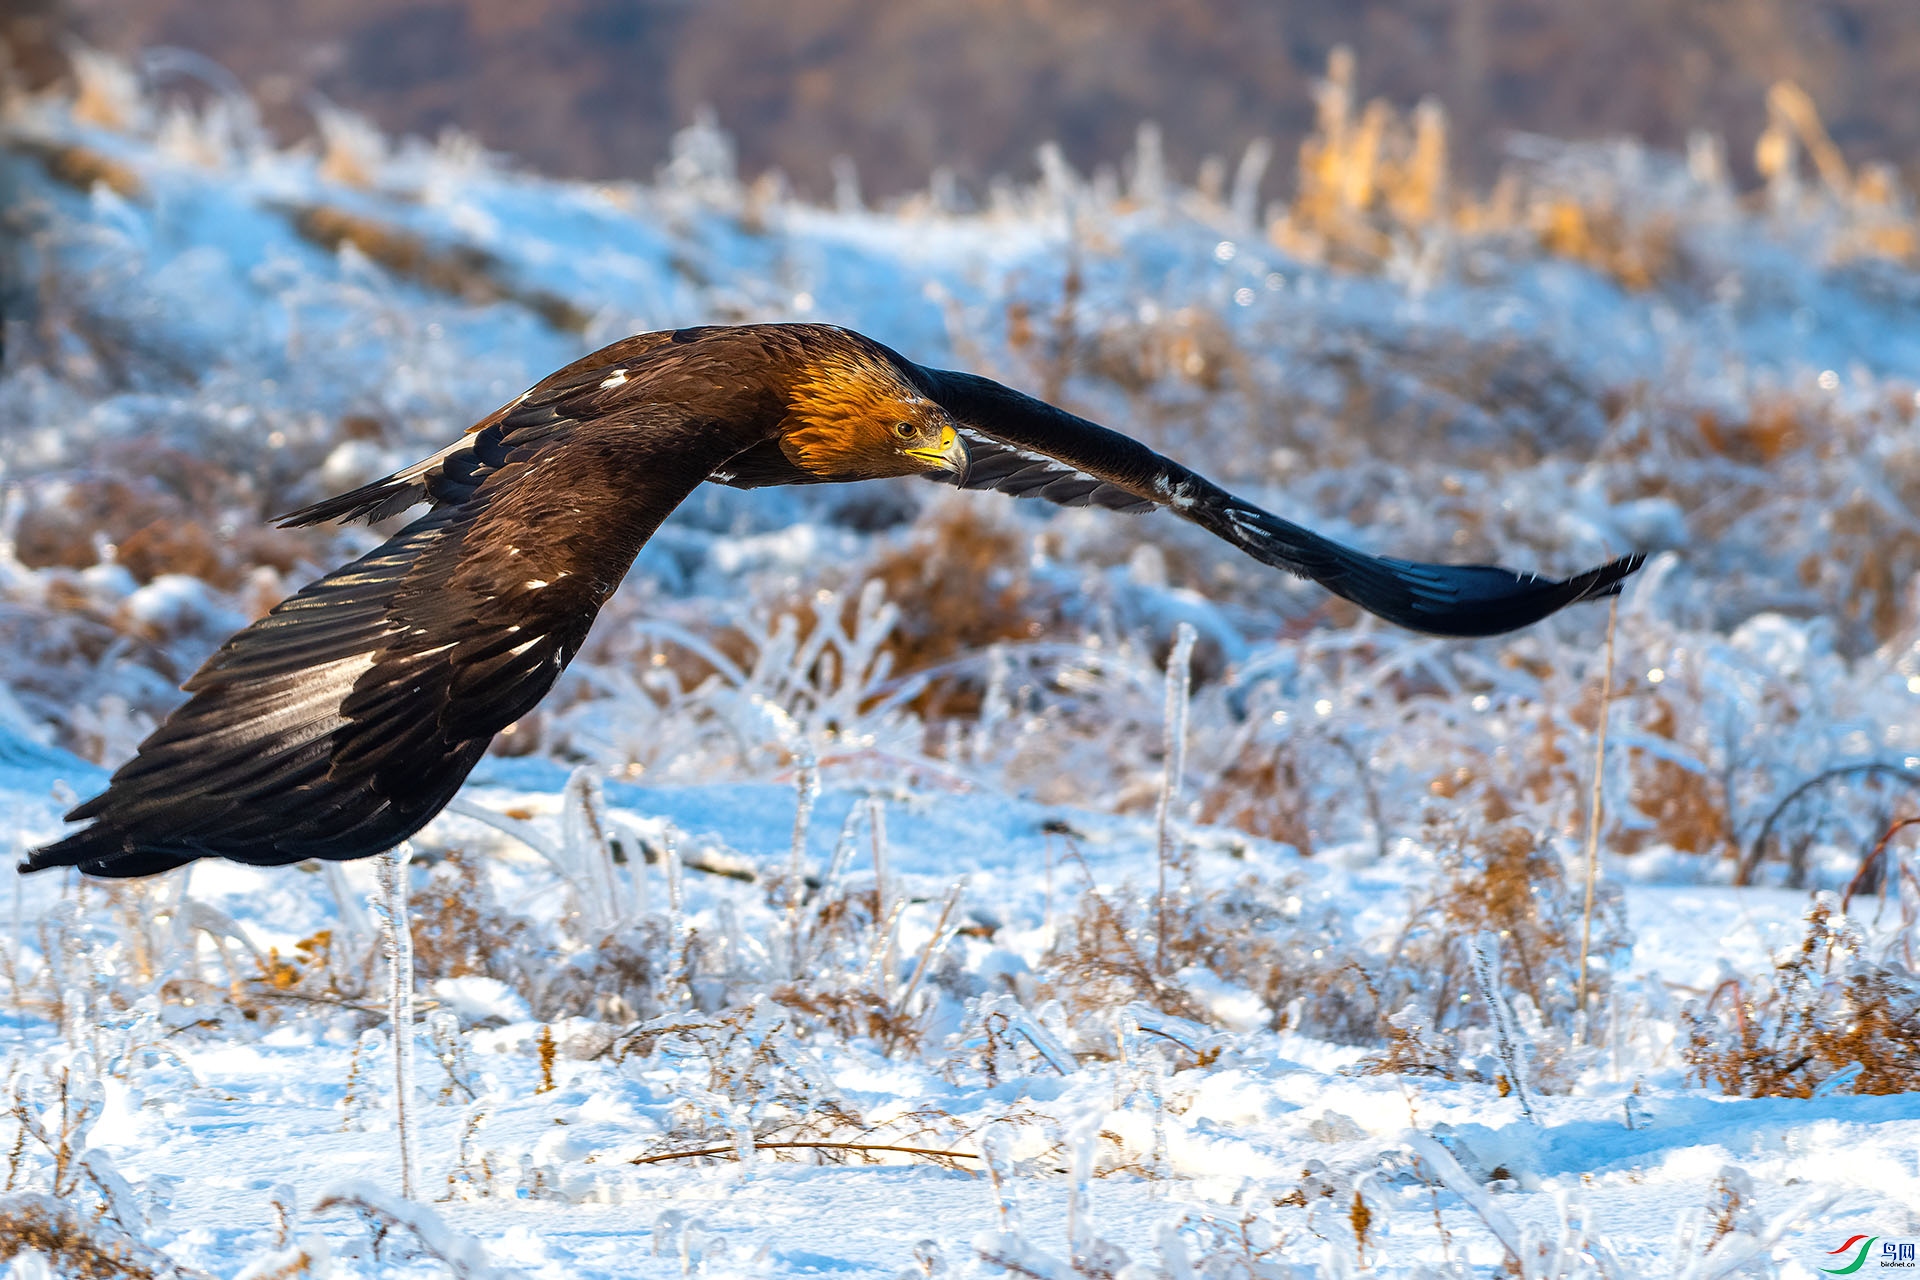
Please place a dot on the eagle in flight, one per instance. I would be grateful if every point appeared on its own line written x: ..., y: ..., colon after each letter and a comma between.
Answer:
x: 340, y: 723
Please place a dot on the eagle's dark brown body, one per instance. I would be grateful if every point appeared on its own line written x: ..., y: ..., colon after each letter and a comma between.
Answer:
x: 344, y: 720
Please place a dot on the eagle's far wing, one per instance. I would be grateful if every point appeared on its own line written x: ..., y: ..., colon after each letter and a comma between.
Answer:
x: 1027, y: 447
x: 589, y: 388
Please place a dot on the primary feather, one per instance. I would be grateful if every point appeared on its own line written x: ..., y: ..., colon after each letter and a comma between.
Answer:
x: 344, y: 720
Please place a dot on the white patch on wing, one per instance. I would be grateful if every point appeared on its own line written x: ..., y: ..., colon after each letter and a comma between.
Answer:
x: 1245, y: 527
x: 420, y: 469
x: 534, y: 584
x: 618, y: 378
x: 301, y: 706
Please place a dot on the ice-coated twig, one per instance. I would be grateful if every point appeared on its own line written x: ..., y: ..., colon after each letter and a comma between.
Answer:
x: 1174, y: 757
x: 384, y: 1211
x: 996, y: 1152
x: 1083, y: 1141
x: 806, y: 785
x: 121, y: 1204
x: 450, y: 1051
x: 1593, y: 820
x: 676, y: 915
x: 397, y: 931
x: 1840, y: 1081
x: 880, y: 955
x: 877, y: 828
x: 587, y: 846
x: 943, y: 930
x: 843, y: 849
x: 1438, y: 1159
x: 1245, y: 200
x: 1739, y: 1250
x: 525, y: 832
x: 1016, y: 1020
x: 1486, y: 975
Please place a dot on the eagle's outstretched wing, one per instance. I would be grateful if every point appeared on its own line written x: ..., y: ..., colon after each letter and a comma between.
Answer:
x: 1029, y: 448
x: 341, y: 722
x: 584, y: 391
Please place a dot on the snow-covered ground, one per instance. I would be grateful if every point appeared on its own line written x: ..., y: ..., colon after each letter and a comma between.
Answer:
x: 983, y: 1014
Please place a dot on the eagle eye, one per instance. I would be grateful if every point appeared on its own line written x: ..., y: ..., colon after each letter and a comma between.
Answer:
x: 905, y: 430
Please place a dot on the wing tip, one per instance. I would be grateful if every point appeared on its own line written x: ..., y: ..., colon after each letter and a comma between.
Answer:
x: 102, y: 852
x: 1605, y: 580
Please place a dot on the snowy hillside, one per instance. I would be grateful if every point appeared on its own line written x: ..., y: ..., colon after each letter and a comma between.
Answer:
x: 872, y: 896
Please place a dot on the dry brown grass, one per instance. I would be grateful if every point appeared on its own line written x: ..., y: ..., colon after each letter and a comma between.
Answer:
x: 1635, y: 253
x: 545, y: 1050
x: 1364, y: 181
x: 1771, y: 430
x: 1688, y: 807
x: 1099, y: 961
x: 960, y: 585
x: 155, y: 524
x: 77, y: 1248
x: 80, y: 167
x: 1824, y: 1009
x: 1500, y: 879
x: 754, y: 1056
x: 460, y: 271
x: 1372, y: 184
x: 1261, y: 793
x: 1189, y: 345
x: 1511, y: 885
x: 458, y: 930
x: 1254, y: 934
x: 851, y: 1013
x: 1878, y: 556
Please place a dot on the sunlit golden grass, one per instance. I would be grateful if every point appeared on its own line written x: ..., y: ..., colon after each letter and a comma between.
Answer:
x: 1372, y: 183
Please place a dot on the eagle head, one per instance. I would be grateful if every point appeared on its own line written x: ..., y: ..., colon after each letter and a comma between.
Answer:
x: 852, y: 415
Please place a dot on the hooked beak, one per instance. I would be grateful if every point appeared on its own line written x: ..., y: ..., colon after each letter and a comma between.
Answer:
x: 949, y: 455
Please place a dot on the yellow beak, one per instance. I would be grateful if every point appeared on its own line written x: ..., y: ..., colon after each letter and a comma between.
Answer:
x: 949, y: 455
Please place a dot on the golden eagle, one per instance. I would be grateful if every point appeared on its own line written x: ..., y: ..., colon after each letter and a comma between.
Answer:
x: 339, y: 724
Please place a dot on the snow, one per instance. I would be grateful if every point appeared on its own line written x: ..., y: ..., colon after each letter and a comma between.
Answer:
x: 615, y: 967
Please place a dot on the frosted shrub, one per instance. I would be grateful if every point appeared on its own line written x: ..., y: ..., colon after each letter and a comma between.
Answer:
x: 1828, y: 1018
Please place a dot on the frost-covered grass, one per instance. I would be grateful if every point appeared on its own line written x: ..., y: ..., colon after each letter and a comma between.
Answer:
x: 855, y: 903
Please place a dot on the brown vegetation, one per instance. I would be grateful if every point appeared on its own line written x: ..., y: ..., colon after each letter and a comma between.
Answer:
x: 76, y: 1247
x: 960, y: 585
x: 1826, y: 1008
x: 459, y: 271
x: 154, y: 524
x: 81, y: 167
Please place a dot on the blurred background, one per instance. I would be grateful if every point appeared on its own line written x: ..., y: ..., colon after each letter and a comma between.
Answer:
x: 596, y: 88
